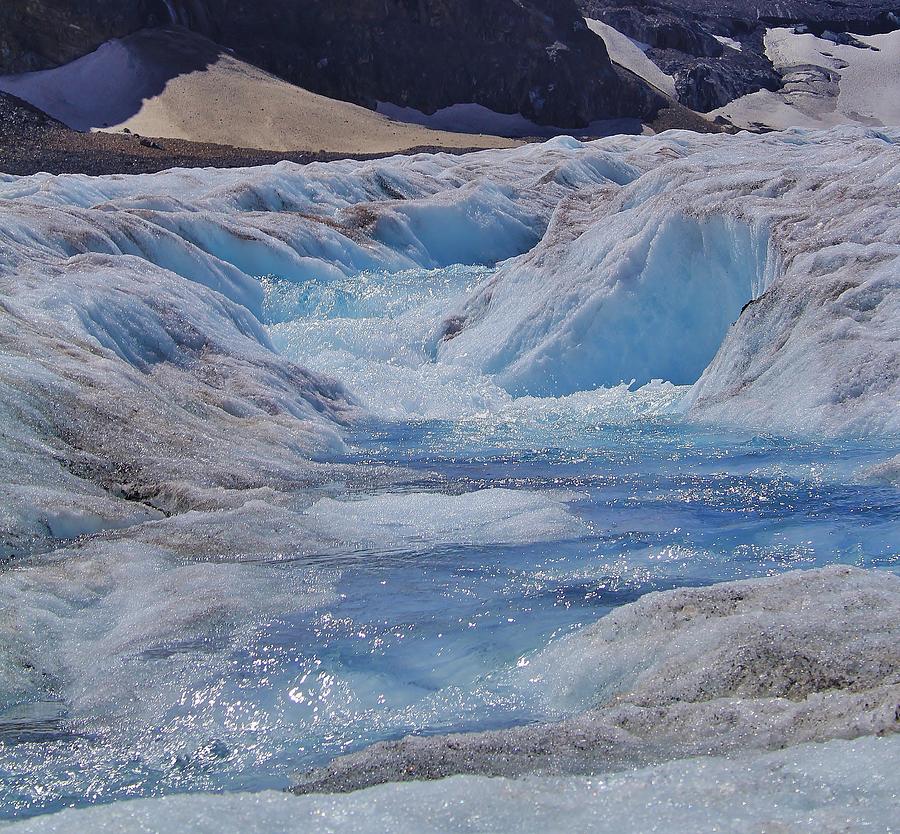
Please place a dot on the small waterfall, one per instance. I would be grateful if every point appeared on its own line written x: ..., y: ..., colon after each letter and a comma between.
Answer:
x: 173, y: 14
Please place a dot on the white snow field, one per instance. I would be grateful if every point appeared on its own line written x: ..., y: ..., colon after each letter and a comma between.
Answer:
x: 296, y: 460
x: 825, y: 83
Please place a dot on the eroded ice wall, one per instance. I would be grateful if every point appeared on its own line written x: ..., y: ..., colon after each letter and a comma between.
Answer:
x: 139, y: 374
x: 134, y: 302
x: 783, y: 250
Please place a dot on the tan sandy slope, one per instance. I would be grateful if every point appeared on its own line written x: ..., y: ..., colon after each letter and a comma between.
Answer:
x: 174, y: 84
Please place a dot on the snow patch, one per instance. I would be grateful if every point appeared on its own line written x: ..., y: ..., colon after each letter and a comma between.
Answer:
x: 731, y: 43
x: 825, y: 83
x: 631, y: 55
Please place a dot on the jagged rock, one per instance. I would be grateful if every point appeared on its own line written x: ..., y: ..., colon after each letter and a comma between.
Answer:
x: 710, y: 84
x: 687, y: 39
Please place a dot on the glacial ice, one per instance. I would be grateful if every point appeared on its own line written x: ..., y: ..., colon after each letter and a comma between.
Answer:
x: 414, y: 520
x: 177, y: 422
x: 838, y: 786
x: 804, y: 657
x: 623, y: 260
x: 120, y: 377
x: 793, y: 237
x: 887, y: 471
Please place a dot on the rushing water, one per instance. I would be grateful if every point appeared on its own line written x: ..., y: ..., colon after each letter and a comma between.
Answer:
x: 522, y: 520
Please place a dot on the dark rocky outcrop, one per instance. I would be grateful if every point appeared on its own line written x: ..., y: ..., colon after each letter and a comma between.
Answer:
x: 709, y: 84
x: 36, y: 34
x: 681, y: 38
x: 534, y: 57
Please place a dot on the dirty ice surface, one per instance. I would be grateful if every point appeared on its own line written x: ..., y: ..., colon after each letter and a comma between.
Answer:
x: 300, y: 460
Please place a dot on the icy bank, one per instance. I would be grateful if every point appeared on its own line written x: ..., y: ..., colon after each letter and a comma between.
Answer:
x: 793, y: 237
x: 758, y: 664
x: 120, y: 377
x: 763, y: 269
x: 838, y: 786
x: 138, y: 366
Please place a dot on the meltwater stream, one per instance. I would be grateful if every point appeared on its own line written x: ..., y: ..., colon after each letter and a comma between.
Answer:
x: 521, y: 520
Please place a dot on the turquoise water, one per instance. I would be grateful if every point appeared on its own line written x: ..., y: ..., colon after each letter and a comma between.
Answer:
x: 431, y: 635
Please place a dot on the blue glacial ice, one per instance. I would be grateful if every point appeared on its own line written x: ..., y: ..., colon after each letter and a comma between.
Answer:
x: 296, y: 460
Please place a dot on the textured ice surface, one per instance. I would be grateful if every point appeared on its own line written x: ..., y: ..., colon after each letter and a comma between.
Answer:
x: 491, y: 516
x: 223, y: 568
x: 793, y: 237
x: 135, y: 359
x: 648, y: 250
x: 887, y: 471
x: 834, y: 787
x: 762, y: 663
x: 120, y: 377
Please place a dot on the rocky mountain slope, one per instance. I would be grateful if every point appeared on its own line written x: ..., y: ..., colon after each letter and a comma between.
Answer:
x: 715, y: 51
x: 537, y: 58
x: 172, y: 83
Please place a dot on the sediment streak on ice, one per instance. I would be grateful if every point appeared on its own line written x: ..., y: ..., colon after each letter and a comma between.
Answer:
x: 805, y: 657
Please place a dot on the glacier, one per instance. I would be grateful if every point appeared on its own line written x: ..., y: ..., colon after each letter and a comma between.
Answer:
x: 636, y: 256
x: 321, y: 469
x: 645, y: 282
x: 772, y: 790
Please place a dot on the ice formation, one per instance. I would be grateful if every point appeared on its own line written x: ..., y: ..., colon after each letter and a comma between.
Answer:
x: 160, y: 447
x: 630, y: 258
x: 838, y: 786
x: 761, y: 664
x: 759, y: 246
x: 488, y: 516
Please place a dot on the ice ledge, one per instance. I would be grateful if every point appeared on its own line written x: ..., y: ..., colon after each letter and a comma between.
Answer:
x: 752, y: 665
x: 838, y: 786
